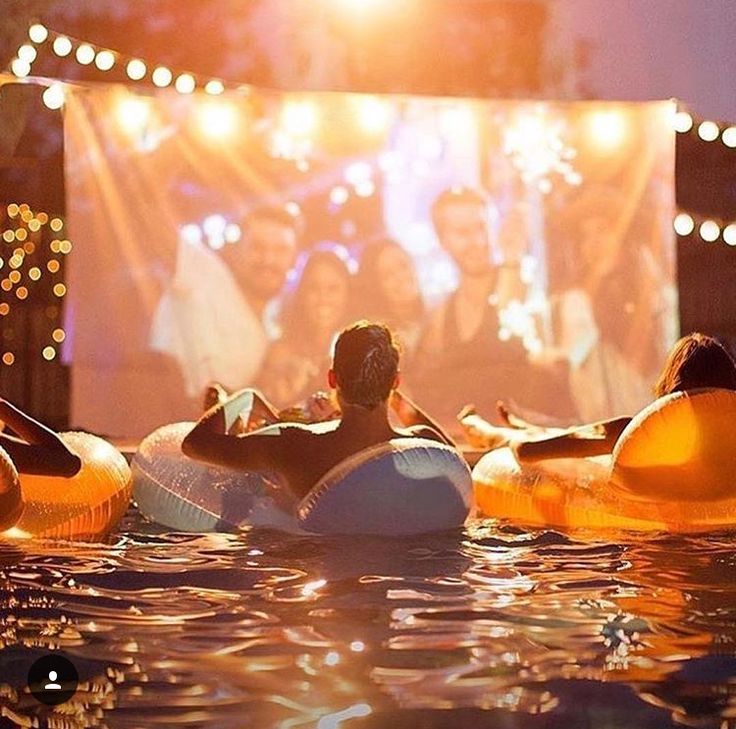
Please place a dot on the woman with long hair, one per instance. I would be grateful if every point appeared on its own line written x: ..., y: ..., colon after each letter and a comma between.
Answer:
x: 387, y: 290
x: 696, y: 361
x: 312, y: 316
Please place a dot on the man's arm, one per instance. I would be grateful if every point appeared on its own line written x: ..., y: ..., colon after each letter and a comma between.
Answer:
x: 597, y: 439
x: 42, y: 451
x: 412, y: 416
x: 258, y: 451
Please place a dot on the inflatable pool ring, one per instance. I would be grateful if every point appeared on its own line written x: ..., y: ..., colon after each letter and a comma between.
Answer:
x: 672, y: 470
x: 406, y: 486
x: 85, y: 506
x: 11, y: 503
x: 191, y: 496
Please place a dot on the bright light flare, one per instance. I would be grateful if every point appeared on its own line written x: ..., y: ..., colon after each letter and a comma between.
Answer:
x: 608, y: 129
x: 133, y: 114
x: 217, y: 120
x: 299, y: 118
x: 374, y: 114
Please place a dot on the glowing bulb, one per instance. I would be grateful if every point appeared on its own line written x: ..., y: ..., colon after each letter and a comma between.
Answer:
x: 62, y: 46
x: 136, y: 69
x: 214, y: 225
x: 708, y: 131
x: 85, y: 54
x: 365, y: 188
x: 729, y: 234
x: 217, y: 118
x: 373, y: 114
x: 709, y: 231
x: 232, y: 232
x: 684, y: 224
x: 8, y: 358
x: 339, y: 195
x: 299, y: 117
x: 105, y: 60
x: 185, y: 83
x: 358, y: 172
x: 607, y: 128
x: 59, y: 289
x: 161, y: 76
x: 58, y: 335
x: 56, y: 224
x: 729, y: 137
x: 133, y: 113
x: 53, y: 96
x: 332, y: 658
x: 38, y: 33
x: 27, y: 53
x: 20, y: 68
x: 48, y: 353
x: 683, y: 122
x: 357, y: 646
x: 214, y: 87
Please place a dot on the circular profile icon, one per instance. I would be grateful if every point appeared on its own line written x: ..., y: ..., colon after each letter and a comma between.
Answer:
x: 53, y: 680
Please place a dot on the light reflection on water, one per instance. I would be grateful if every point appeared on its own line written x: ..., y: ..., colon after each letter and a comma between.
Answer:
x: 486, y: 627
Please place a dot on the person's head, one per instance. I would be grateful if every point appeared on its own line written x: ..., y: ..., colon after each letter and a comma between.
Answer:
x: 318, y: 306
x: 386, y: 285
x: 696, y: 360
x: 269, y: 250
x: 365, y: 365
x: 460, y: 218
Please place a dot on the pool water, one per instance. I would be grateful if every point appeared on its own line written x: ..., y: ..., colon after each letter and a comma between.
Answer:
x: 491, y: 626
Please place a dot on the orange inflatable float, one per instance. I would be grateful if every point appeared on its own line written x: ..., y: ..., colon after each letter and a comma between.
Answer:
x: 84, y: 507
x: 673, y: 469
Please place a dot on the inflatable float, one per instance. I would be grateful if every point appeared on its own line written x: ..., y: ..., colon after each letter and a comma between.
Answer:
x: 85, y: 506
x: 673, y: 469
x: 405, y: 486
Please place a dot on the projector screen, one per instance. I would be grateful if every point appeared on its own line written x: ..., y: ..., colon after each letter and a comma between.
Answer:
x: 522, y: 251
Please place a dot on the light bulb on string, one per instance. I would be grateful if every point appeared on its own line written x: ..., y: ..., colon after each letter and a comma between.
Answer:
x: 136, y: 69
x: 38, y: 33
x: 105, y: 60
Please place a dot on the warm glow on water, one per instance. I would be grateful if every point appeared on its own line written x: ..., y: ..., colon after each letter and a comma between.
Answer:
x: 493, y: 626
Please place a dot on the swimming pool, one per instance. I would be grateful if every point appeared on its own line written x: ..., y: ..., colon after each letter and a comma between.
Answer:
x: 489, y: 626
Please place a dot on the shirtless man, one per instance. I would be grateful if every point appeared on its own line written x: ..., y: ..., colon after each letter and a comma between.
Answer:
x: 364, y: 374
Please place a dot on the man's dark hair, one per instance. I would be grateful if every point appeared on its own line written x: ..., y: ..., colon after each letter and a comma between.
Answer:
x: 288, y: 216
x: 456, y: 196
x: 365, y: 363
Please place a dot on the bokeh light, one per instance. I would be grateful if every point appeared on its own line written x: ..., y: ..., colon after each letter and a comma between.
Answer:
x: 161, y: 76
x: 729, y: 137
x: 53, y: 96
x: 729, y: 234
x: 683, y: 122
x: 684, y: 224
x: 48, y: 353
x: 214, y: 87
x: 217, y: 119
x: 38, y: 33
x: 299, y: 117
x: 62, y: 46
x: 20, y: 68
x: 132, y: 113
x: 709, y: 231
x: 708, y: 131
x: 185, y: 83
x: 27, y: 53
x: 105, y: 60
x: 8, y: 358
x: 136, y: 69
x: 85, y: 54
x: 607, y: 129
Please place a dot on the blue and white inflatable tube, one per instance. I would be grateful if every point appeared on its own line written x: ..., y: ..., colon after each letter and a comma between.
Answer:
x: 190, y: 496
x: 402, y: 487
x: 405, y: 486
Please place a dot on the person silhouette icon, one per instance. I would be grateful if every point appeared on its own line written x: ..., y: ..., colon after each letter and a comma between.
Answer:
x: 52, y: 685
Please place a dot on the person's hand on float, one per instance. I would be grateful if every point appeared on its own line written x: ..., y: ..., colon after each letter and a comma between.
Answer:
x: 321, y: 407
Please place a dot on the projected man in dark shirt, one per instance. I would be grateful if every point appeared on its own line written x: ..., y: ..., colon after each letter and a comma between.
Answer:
x: 463, y: 355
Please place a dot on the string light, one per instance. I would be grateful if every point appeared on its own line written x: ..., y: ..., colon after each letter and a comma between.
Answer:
x: 728, y: 137
x: 683, y: 122
x: 38, y: 33
x: 185, y: 83
x: 53, y: 96
x: 105, y: 60
x: 161, y: 76
x: 20, y: 68
x: 26, y: 53
x: 136, y: 69
x: 729, y: 234
x: 709, y: 231
x: 85, y: 54
x: 214, y: 87
x: 708, y: 131
x: 684, y: 224
x: 62, y: 46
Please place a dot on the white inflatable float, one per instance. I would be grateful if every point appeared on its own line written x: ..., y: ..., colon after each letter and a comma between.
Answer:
x: 405, y: 486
